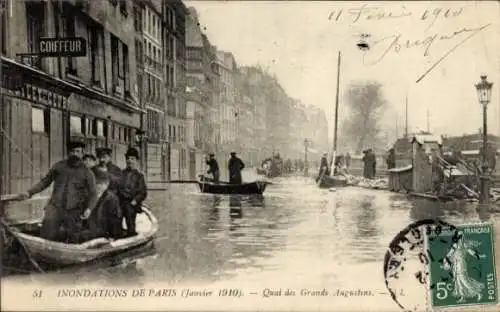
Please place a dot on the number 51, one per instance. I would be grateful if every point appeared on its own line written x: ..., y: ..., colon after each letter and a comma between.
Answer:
x: 443, y: 290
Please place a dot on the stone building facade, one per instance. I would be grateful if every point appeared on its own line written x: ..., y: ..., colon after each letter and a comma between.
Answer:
x: 48, y: 101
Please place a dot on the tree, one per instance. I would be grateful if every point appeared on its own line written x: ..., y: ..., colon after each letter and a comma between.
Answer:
x: 365, y: 105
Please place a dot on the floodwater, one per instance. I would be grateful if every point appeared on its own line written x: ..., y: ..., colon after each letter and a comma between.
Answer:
x: 296, y: 236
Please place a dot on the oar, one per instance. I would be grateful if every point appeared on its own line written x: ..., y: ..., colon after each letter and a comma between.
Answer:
x: 10, y: 198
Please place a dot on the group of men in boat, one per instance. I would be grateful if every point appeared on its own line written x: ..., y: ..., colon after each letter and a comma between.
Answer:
x: 235, y: 166
x: 342, y: 163
x: 91, y: 196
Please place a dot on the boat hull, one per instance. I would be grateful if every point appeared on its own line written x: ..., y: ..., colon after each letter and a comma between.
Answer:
x: 332, y: 181
x: 257, y: 187
x: 71, y: 254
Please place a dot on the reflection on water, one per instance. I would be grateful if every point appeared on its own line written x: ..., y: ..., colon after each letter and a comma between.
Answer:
x: 295, y: 229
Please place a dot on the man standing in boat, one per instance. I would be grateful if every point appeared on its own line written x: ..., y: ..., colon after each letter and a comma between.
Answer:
x: 235, y: 166
x: 114, y: 172
x: 213, y: 167
x: 324, y: 169
x: 132, y: 190
x: 73, y: 194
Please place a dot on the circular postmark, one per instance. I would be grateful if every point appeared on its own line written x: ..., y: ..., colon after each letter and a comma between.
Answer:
x: 407, y: 260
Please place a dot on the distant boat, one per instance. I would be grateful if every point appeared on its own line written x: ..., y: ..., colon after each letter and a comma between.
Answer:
x: 256, y: 187
x: 332, y: 181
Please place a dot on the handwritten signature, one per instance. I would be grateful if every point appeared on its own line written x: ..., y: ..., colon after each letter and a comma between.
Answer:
x: 377, y: 14
x: 396, y: 43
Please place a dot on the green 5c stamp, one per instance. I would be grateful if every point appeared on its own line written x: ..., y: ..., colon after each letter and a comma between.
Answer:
x: 463, y: 274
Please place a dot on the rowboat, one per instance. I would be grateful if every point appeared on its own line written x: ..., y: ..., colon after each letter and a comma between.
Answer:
x: 332, y: 181
x: 256, y: 187
x: 52, y: 252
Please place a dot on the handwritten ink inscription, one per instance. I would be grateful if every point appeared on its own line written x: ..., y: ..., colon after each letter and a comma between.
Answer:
x: 397, y: 43
x: 366, y: 13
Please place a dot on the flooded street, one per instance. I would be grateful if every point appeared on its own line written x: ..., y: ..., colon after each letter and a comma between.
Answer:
x: 296, y: 235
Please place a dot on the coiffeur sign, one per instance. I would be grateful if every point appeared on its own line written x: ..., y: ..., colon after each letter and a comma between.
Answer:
x: 62, y: 47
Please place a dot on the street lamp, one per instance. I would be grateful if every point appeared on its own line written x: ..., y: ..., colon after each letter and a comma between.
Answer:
x: 484, y: 95
x: 140, y: 140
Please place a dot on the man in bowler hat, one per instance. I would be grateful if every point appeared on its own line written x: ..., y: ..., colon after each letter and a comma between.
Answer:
x: 73, y: 195
x: 132, y: 190
x: 235, y: 166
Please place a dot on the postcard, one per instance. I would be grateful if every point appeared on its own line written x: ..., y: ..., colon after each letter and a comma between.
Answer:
x: 249, y: 155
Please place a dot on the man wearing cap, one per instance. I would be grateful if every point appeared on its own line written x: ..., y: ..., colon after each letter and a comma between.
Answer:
x: 132, y: 190
x: 213, y: 167
x: 104, y: 156
x: 73, y: 195
x: 235, y: 166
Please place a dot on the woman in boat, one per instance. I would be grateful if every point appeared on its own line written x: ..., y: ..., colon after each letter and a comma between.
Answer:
x: 89, y: 160
x: 132, y: 190
x: 106, y: 219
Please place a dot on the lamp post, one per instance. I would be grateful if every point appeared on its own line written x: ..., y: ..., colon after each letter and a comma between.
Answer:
x: 140, y: 139
x: 306, y: 165
x: 484, y: 95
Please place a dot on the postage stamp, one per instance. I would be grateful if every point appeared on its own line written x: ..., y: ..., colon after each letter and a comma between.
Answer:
x: 406, y: 263
x: 463, y: 274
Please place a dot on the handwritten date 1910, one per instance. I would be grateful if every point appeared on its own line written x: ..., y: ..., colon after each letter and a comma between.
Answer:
x: 374, y: 13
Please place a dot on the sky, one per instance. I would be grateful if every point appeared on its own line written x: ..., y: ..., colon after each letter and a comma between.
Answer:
x: 299, y: 41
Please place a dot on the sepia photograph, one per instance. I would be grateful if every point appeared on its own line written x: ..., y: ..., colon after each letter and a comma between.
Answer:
x: 202, y: 155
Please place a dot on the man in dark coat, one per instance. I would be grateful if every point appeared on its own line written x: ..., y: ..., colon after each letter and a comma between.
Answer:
x: 373, y: 159
x: 106, y: 219
x: 114, y: 172
x: 132, y: 190
x: 367, y: 165
x: 324, y: 169
x: 235, y: 166
x: 391, y: 159
x: 73, y: 194
x: 213, y: 167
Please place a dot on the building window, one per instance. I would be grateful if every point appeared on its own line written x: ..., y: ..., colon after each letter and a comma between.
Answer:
x: 96, y: 46
x: 69, y: 31
x: 138, y: 51
x: 123, y: 7
x: 3, y: 27
x: 89, y: 126
x: 137, y: 19
x: 117, y: 67
x: 126, y: 72
x: 100, y: 128
x: 76, y: 125
x: 40, y: 120
x: 36, y: 25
